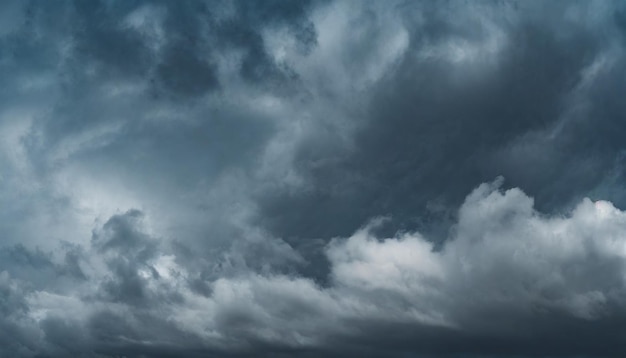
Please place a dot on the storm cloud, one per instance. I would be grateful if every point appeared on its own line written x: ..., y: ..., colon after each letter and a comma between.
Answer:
x: 312, y: 178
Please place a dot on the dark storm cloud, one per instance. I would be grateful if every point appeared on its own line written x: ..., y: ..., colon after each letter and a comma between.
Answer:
x: 20, y: 335
x: 544, y: 110
x: 130, y: 251
x: 291, y: 178
x: 39, y: 268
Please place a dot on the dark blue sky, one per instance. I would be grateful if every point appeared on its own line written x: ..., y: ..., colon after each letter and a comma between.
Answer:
x: 312, y: 178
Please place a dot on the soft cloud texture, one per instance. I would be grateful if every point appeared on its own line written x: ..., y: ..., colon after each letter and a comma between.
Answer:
x: 282, y: 178
x: 505, y: 268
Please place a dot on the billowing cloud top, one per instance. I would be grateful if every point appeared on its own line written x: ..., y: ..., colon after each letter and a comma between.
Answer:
x: 312, y: 178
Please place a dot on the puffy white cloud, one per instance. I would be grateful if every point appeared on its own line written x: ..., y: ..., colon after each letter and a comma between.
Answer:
x: 505, y: 269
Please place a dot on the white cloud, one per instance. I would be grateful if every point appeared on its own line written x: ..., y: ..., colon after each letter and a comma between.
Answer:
x: 503, y: 254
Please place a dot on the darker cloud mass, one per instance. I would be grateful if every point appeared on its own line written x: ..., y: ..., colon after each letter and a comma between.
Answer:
x: 312, y: 178
x: 435, y: 128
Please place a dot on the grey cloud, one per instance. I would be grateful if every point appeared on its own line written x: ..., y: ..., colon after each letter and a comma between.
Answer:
x: 129, y: 254
x: 64, y: 337
x: 120, y: 233
x: 102, y: 39
x: 183, y: 71
x: 506, y: 268
x: 197, y: 178
x: 438, y: 126
x: 40, y: 269
x: 19, y: 336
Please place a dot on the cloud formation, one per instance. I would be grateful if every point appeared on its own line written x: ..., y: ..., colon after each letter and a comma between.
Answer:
x: 281, y: 178
x: 505, y: 269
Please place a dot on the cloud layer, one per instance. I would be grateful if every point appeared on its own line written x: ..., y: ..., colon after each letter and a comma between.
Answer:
x: 281, y: 178
x: 509, y: 281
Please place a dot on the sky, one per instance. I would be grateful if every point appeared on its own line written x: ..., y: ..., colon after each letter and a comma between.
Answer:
x: 312, y: 178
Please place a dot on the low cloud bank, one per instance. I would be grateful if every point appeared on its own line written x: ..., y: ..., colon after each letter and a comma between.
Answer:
x: 508, y: 276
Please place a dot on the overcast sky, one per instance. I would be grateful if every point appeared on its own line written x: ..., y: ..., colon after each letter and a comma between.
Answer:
x: 312, y: 179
